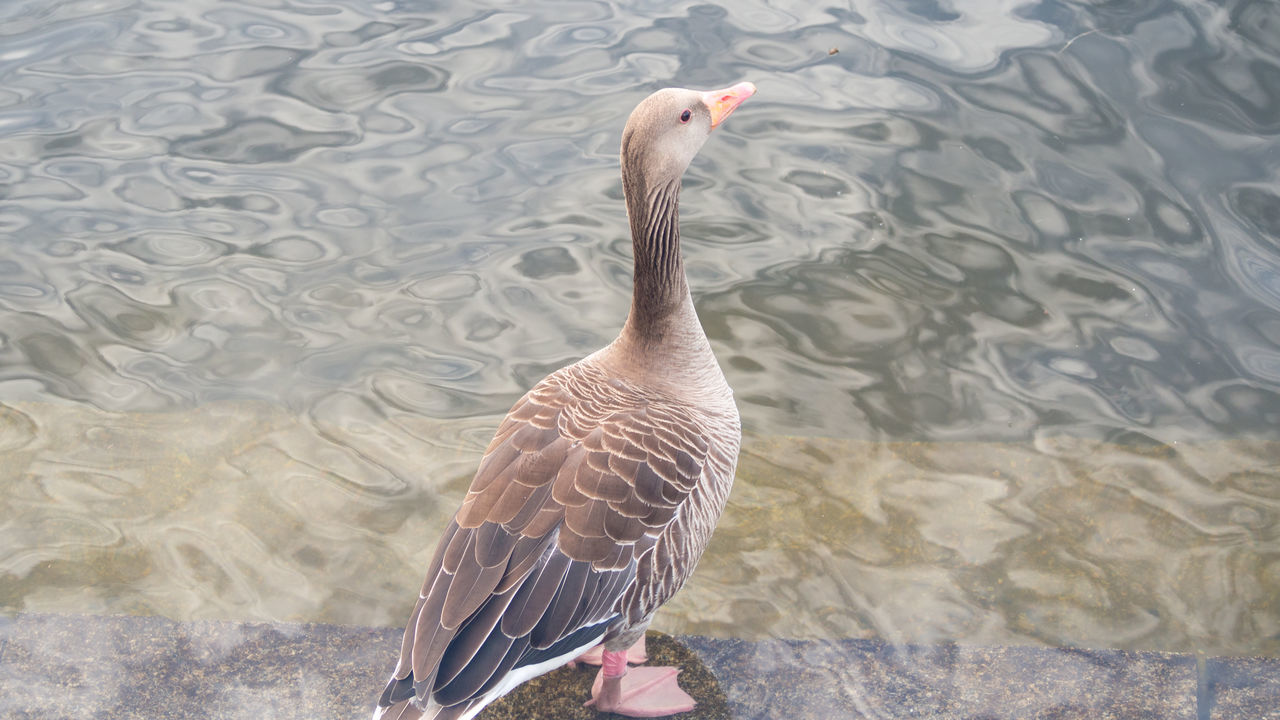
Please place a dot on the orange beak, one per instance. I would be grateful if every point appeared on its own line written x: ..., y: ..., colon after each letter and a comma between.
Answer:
x: 722, y: 103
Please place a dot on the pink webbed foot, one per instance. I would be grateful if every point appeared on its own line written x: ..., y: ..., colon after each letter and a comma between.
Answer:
x: 637, y: 692
x: 636, y: 655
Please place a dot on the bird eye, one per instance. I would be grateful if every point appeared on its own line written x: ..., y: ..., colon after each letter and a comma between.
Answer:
x: 684, y: 116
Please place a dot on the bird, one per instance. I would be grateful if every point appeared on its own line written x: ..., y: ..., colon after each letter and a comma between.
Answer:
x: 601, y: 487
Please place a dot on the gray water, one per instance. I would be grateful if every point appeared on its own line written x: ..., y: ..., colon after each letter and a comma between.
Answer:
x: 997, y: 286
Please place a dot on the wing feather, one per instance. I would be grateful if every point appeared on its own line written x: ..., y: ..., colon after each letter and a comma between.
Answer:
x: 478, y: 631
x: 535, y: 595
x: 565, y: 488
x: 493, y: 659
x: 471, y: 586
x: 585, y: 549
x: 524, y: 557
x: 492, y: 545
x: 588, y: 519
x: 430, y: 638
x: 545, y: 521
x: 568, y: 599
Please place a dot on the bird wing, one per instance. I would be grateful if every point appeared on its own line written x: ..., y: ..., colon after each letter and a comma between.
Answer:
x: 575, y: 487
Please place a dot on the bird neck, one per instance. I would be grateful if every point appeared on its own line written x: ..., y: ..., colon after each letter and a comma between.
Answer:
x: 660, y: 302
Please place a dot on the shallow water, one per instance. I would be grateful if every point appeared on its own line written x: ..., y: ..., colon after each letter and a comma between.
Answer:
x: 998, y: 289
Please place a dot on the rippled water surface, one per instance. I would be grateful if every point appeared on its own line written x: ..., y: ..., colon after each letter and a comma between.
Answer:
x: 997, y: 285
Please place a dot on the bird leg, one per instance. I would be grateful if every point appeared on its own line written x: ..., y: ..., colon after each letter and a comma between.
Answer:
x: 639, y: 691
x: 636, y: 655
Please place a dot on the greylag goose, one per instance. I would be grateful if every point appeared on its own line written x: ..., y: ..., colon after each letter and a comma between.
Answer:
x: 599, y: 492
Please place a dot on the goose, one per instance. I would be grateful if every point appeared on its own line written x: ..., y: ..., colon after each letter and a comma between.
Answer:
x: 600, y: 490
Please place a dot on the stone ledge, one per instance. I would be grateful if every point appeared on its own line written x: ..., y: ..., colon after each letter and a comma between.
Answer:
x: 84, y: 666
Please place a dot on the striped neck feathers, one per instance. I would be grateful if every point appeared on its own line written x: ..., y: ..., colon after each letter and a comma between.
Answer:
x: 660, y: 292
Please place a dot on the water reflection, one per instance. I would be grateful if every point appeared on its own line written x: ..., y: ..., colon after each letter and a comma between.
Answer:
x: 269, y: 273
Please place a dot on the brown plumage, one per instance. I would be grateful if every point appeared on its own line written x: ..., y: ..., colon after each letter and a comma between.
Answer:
x: 602, y: 486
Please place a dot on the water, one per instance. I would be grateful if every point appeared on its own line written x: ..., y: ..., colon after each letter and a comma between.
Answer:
x: 998, y: 289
